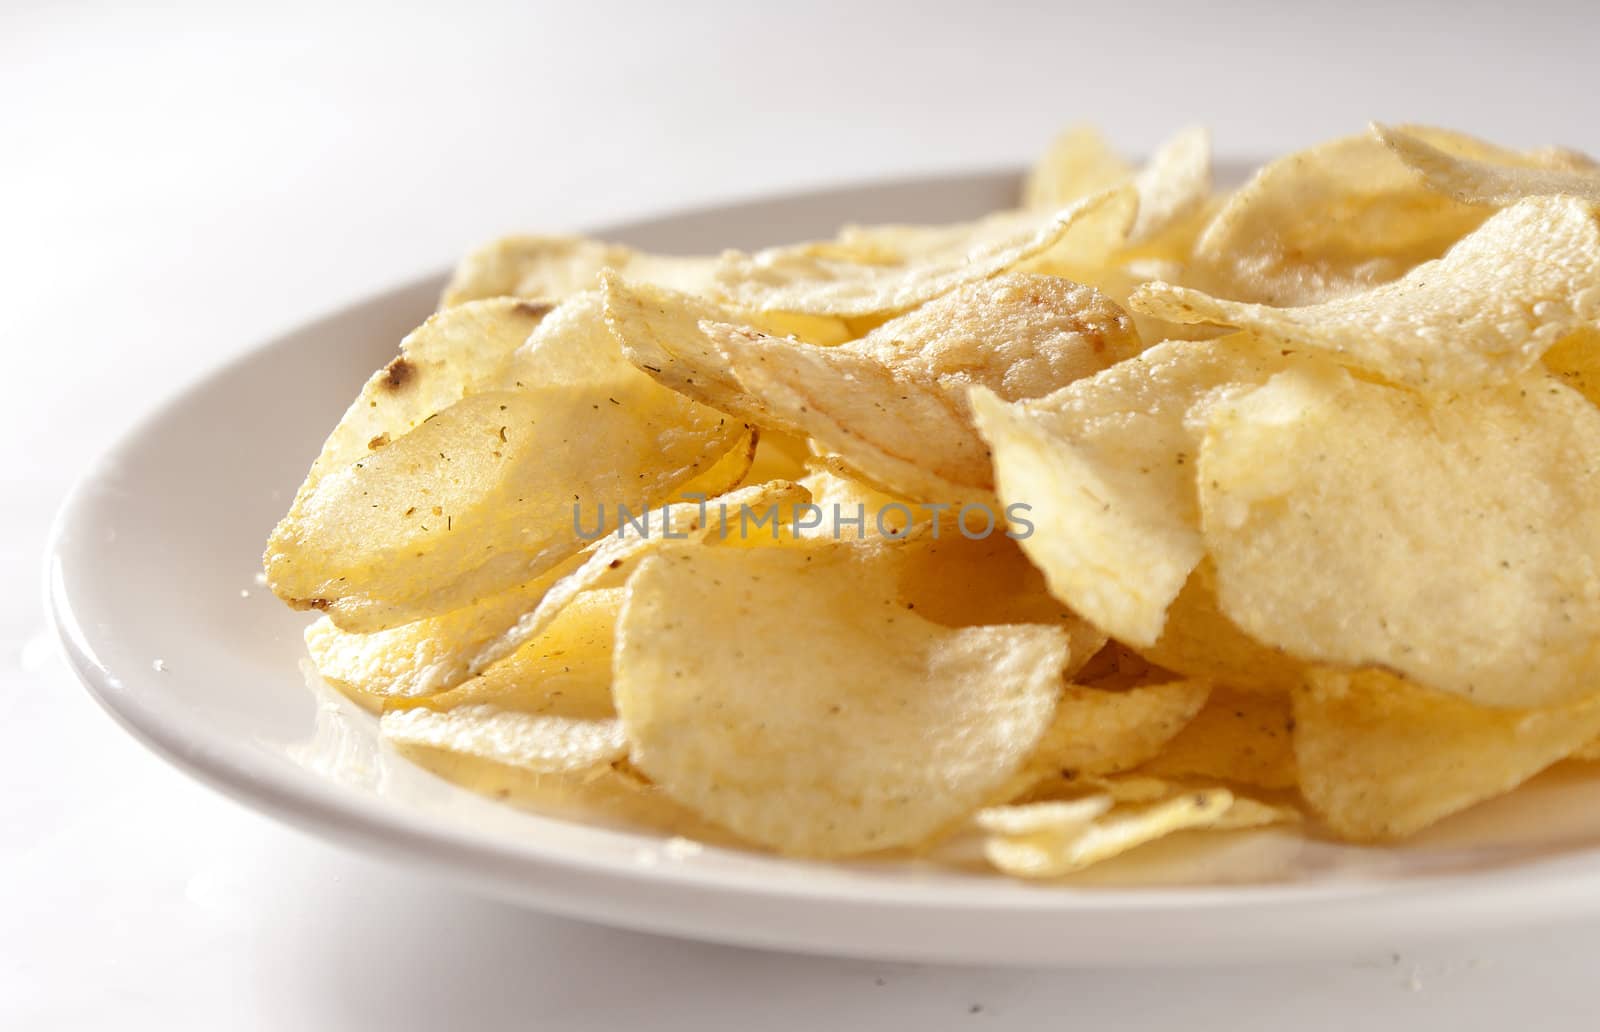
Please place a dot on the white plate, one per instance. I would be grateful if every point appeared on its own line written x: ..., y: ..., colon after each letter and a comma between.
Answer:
x: 154, y: 553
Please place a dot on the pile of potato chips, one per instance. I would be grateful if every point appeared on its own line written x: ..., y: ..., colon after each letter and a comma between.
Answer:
x: 1139, y: 509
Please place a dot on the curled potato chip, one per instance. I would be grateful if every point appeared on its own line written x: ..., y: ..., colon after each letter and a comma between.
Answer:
x: 490, y: 492
x: 892, y: 406
x: 1245, y: 738
x: 798, y: 279
x: 1079, y: 162
x: 1473, y: 180
x: 1199, y: 640
x: 1453, y: 540
x: 556, y: 267
x: 1059, y: 841
x: 453, y: 354
x: 1380, y: 757
x: 546, y: 710
x: 1483, y: 313
x: 1317, y: 224
x: 897, y: 729
x: 613, y: 558
x: 1106, y: 468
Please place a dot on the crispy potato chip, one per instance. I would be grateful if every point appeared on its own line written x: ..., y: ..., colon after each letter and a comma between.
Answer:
x: 613, y: 558
x: 451, y: 355
x: 892, y: 406
x: 1174, y: 185
x: 1198, y: 640
x: 1073, y: 844
x: 1095, y: 731
x: 1320, y: 223
x: 1077, y: 164
x: 1453, y: 540
x: 547, y: 709
x: 896, y: 729
x: 491, y: 492
x: 556, y: 267
x: 1577, y: 361
x: 1381, y: 758
x: 800, y: 280
x: 1106, y: 468
x: 1483, y: 313
x: 1476, y: 181
x: 1241, y: 737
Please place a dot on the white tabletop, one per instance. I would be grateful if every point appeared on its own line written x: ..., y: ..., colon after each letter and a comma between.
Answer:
x: 178, y: 185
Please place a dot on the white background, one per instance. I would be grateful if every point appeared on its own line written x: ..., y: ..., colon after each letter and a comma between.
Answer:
x: 179, y: 182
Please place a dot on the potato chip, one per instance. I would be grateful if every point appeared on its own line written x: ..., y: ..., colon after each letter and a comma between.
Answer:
x: 491, y: 492
x: 1320, y: 223
x: 556, y: 267
x: 893, y: 731
x: 1073, y: 844
x: 1453, y: 540
x: 448, y: 357
x: 547, y: 709
x: 1483, y: 313
x: 798, y: 279
x: 892, y: 406
x: 1199, y: 640
x: 1577, y: 361
x: 1096, y: 731
x: 1381, y: 758
x: 1476, y: 181
x: 1174, y: 185
x: 1245, y: 738
x: 1106, y: 468
x: 614, y: 558
x: 1077, y: 164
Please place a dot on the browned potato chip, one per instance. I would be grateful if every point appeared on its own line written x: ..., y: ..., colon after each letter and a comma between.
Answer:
x: 1381, y: 758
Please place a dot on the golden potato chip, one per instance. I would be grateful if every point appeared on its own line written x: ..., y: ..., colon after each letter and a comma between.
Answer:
x: 891, y: 406
x: 612, y: 559
x: 556, y: 267
x: 453, y: 354
x: 1096, y: 731
x: 798, y: 279
x: 1483, y: 313
x: 1476, y: 181
x: 1241, y: 737
x: 1453, y: 540
x: 1174, y: 185
x: 1078, y: 163
x: 1198, y: 640
x: 546, y: 709
x: 894, y: 730
x: 491, y: 492
x: 1106, y: 468
x: 1577, y: 361
x: 997, y: 585
x: 1317, y: 224
x: 1072, y: 844
x: 1381, y: 758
